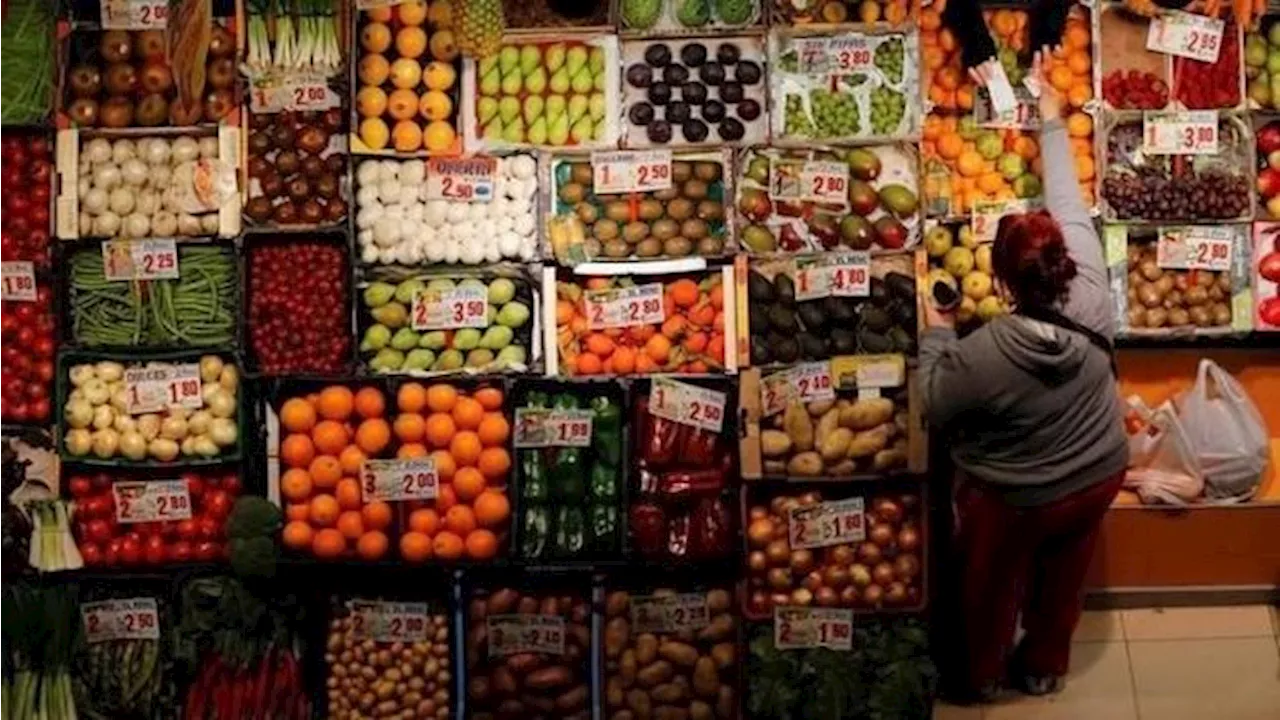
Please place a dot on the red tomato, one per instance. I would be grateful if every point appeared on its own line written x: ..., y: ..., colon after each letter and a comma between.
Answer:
x: 102, y: 481
x: 131, y: 550
x: 195, y: 485
x: 79, y: 486
x: 180, y: 552
x: 98, y: 530
x: 207, y: 551
x: 111, y: 557
x: 92, y: 554
x: 188, y: 530
x: 155, y: 551
x: 169, y: 529
x: 231, y: 484
x: 217, y: 504
x: 210, y: 529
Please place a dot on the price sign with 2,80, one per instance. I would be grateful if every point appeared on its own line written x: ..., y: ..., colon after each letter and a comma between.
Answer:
x: 390, y: 622
x: 128, y: 260
x: 1192, y: 132
x: 624, y: 307
x: 808, y: 382
x: 669, y: 613
x: 125, y: 619
x: 151, y: 501
x: 467, y: 179
x: 19, y: 278
x: 839, y: 522
x: 517, y: 634
x: 135, y: 14
x: 544, y: 427
x: 154, y: 387
x: 399, y: 479
x: 1195, y: 248
x: 465, y: 306
x: 687, y: 404
x: 818, y: 181
x: 1187, y: 35
x: 797, y: 628
x: 627, y: 171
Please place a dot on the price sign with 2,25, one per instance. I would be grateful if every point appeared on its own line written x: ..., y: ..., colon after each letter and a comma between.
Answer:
x: 808, y: 382
x: 839, y: 522
x: 151, y: 501
x: 687, y: 404
x: 797, y: 628
x: 468, y: 179
x: 154, y: 387
x: 399, y: 479
x: 390, y: 622
x: 1192, y: 132
x: 1187, y: 35
x: 124, y: 619
x: 517, y: 634
x: 545, y: 427
x: 624, y: 307
x: 128, y: 260
x: 1195, y: 248
x: 19, y: 278
x: 669, y: 613
x: 465, y: 306
x: 626, y: 171
x: 135, y: 14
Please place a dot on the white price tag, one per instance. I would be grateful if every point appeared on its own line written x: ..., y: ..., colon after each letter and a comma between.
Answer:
x: 809, y: 382
x: 461, y: 179
x: 543, y: 427
x: 843, y: 54
x: 1000, y: 90
x: 19, y: 279
x: 1195, y: 247
x: 295, y: 93
x: 517, y: 634
x: 135, y: 14
x: 151, y: 501
x: 390, y: 622
x: 130, y: 260
x: 127, y: 619
x: 1187, y: 35
x: 669, y: 613
x: 880, y: 371
x: 154, y: 387
x: 841, y: 522
x: 820, y: 181
x: 623, y: 171
x: 400, y: 479
x: 460, y: 307
x: 985, y: 218
x: 624, y: 307
x: 843, y: 275
x: 687, y: 404
x: 1193, y: 132
x: 799, y: 628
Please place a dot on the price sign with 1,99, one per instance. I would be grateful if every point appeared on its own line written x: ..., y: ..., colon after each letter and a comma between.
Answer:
x: 687, y: 404
x: 842, y: 275
x: 818, y: 181
x: 808, y: 382
x: 123, y: 619
x: 1191, y: 132
x: 468, y: 179
x: 19, y: 278
x: 669, y: 613
x: 128, y: 260
x: 399, y: 479
x: 390, y: 622
x: 837, y: 522
x: 624, y: 307
x: 627, y: 171
x: 154, y: 387
x: 516, y: 634
x: 1195, y: 247
x: 135, y: 14
x: 798, y: 628
x: 1187, y: 35
x: 546, y: 427
x: 151, y: 501
x: 464, y: 306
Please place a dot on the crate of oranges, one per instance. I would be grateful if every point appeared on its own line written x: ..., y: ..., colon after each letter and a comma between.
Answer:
x: 371, y: 472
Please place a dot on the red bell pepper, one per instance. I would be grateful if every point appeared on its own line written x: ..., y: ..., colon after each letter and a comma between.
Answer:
x: 678, y: 536
x: 699, y: 447
x: 648, y: 528
x: 710, y: 532
x: 683, y: 483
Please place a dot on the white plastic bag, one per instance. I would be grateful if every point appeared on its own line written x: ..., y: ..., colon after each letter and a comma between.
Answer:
x: 1163, y: 467
x: 1227, y: 434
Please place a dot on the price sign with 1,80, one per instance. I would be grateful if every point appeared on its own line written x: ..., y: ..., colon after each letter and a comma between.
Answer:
x: 1186, y: 35
x: 468, y: 179
x: 151, y: 501
x: 843, y: 275
x: 797, y: 628
x: 624, y: 307
x: 1195, y: 248
x: 390, y: 622
x: 546, y: 427
x: 19, y: 278
x: 838, y: 522
x: 399, y: 479
x: 687, y: 404
x: 123, y: 619
x: 135, y: 14
x: 465, y: 306
x: 626, y: 171
x: 818, y: 181
x: 808, y: 382
x: 128, y: 260
x: 669, y: 613
x: 516, y: 634
x: 1191, y: 132
x: 154, y: 387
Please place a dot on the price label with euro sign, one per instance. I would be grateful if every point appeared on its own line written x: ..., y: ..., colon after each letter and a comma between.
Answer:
x: 123, y: 619
x: 517, y: 634
x: 799, y: 628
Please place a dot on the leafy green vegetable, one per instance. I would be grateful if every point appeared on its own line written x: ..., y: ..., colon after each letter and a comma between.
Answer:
x: 253, y: 557
x: 28, y: 54
x: 253, y: 517
x: 640, y: 14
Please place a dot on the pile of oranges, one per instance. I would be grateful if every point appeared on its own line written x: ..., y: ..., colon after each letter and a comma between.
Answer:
x: 327, y: 437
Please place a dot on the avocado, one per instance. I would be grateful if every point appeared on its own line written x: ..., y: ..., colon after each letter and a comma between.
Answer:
x: 782, y: 319
x: 759, y: 350
x: 899, y: 200
x: 758, y: 317
x: 875, y: 319
x: 840, y: 311
x: 843, y: 342
x: 903, y: 313
x: 811, y: 315
x: 901, y: 340
x: 878, y: 292
x: 759, y: 289
x: 784, y: 289
x: 901, y: 286
x: 863, y: 164
x: 812, y: 346
x: 784, y: 348
x: 874, y: 342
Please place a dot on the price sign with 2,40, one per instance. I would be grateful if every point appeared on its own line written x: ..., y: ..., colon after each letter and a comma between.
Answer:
x: 125, y: 619
x: 627, y: 171
x: 839, y: 522
x: 687, y: 404
x: 19, y: 278
x: 1195, y: 248
x: 1192, y: 132
x: 154, y: 387
x: 797, y: 628
x: 544, y: 427
x: 389, y: 622
x: 468, y: 179
x: 135, y: 14
x: 128, y: 260
x: 669, y: 613
x: 624, y: 307
x: 1187, y: 35
x: 400, y: 479
x: 151, y: 501
x: 517, y: 634
x: 808, y: 382
x: 465, y: 306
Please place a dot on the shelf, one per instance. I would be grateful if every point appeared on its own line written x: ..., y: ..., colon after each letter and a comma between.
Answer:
x: 1246, y: 341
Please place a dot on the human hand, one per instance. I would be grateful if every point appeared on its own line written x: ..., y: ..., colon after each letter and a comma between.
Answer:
x: 1050, y: 97
x: 932, y: 314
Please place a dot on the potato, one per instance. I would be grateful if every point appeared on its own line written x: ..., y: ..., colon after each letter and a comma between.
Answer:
x: 775, y: 467
x: 679, y: 653
x: 646, y: 648
x: 668, y: 693
x: 524, y: 663
x: 549, y: 677
x: 667, y: 712
x: 725, y: 705
x: 638, y: 701
x: 718, y: 600
x: 844, y: 468
x: 502, y: 601
x: 818, y: 408
x: 774, y: 443
x: 628, y: 668
x: 614, y: 693
x: 699, y: 710
x: 889, y: 459
x: 866, y: 413
x: 623, y: 715
x: 616, y: 634
x: 836, y: 444
x: 706, y: 679
x: 798, y: 426
x: 719, y: 630
x: 806, y: 464
x: 617, y: 604
x: 868, y: 443
x: 572, y: 700
x: 724, y: 654
x: 655, y: 673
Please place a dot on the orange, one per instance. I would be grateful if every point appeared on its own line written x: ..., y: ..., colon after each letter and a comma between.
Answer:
x: 1079, y: 94
x: 328, y: 543
x: 1026, y: 147
x: 297, y: 450
x: 425, y: 521
x: 375, y: 37
x: 467, y: 413
x: 373, y: 435
x: 298, y: 511
x: 465, y: 448
x: 331, y: 437
x: 412, y: 12
x: 1079, y: 125
x: 412, y: 450
x: 969, y: 163
x: 415, y: 547
x: 1076, y: 36
x: 948, y: 78
x: 439, y: 429
x: 297, y: 415
x: 460, y: 519
x: 440, y: 397
x: 410, y: 427
x: 325, y: 471
x: 350, y: 524
x: 489, y: 398
x: 411, y: 397
x: 492, y: 508
x: 336, y: 402
x: 494, y: 462
x: 1084, y: 167
x: 481, y: 544
x: 494, y: 429
x: 372, y: 545
x: 990, y: 182
x: 1078, y: 62
x: 348, y: 494
x: 376, y: 515
x: 370, y: 402
x: 445, y: 466
x: 411, y: 41
x: 438, y: 136
x: 351, y: 459
x: 589, y: 364
x: 406, y: 136
x: 446, y: 498
x: 295, y: 484
x: 1060, y: 77
x: 950, y: 145
x: 468, y: 483
x: 447, y: 546
x: 297, y: 535
x: 324, y: 510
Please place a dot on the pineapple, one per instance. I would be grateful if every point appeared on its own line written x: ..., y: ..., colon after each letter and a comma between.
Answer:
x: 479, y: 26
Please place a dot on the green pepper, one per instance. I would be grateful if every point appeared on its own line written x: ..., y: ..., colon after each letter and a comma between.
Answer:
x: 571, y: 531
x: 537, y: 399
x: 533, y: 473
x: 606, y: 429
x: 533, y: 540
x: 604, y: 482
x: 565, y: 401
x: 602, y: 528
x: 568, y: 471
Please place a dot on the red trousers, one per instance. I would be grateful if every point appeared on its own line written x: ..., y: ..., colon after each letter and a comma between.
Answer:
x: 1028, y: 560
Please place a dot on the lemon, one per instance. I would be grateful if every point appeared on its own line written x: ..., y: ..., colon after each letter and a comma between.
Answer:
x: 438, y: 136
x: 374, y: 133
x: 405, y: 73
x: 406, y: 136
x: 373, y: 69
x: 411, y: 41
x: 371, y: 101
x: 412, y: 12
x: 435, y: 105
x: 375, y: 37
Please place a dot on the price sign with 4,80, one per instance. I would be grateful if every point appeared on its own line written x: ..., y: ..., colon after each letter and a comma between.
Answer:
x: 517, y: 634
x: 155, y: 387
x: 400, y: 479
x: 389, y: 622
x: 467, y: 179
x: 125, y: 619
x: 543, y: 427
x: 625, y: 171
x: 128, y: 260
x: 151, y: 501
x: 19, y: 278
x: 1187, y: 35
x: 1193, y: 132
x: 687, y: 404
x: 669, y: 613
x: 135, y: 14
x: 797, y: 628
x: 843, y: 275
x: 460, y: 307
x: 1195, y: 248
x: 808, y: 382
x: 624, y: 307
x: 830, y: 523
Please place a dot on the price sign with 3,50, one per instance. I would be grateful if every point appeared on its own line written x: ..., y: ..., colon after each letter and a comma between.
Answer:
x: 808, y: 382
x: 155, y: 387
x: 151, y: 501
x: 796, y: 628
x: 626, y: 171
x: 839, y: 522
x: 1187, y: 35
x: 19, y: 278
x: 1195, y: 248
x: 126, y: 619
x: 544, y: 427
x: 687, y: 404
x: 669, y: 613
x: 389, y: 622
x: 467, y: 179
x: 624, y: 307
x: 465, y: 306
x: 130, y: 260
x: 400, y: 479
x: 1193, y: 132
x: 517, y: 634
x: 135, y: 14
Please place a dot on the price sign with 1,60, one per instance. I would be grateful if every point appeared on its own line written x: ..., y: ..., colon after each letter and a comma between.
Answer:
x: 135, y: 14
x: 390, y: 622
x: 808, y: 382
x: 151, y: 501
x: 669, y: 613
x: 154, y: 387
x: 399, y: 479
x: 1195, y: 248
x: 843, y: 275
x: 626, y: 171
x: 809, y: 181
x: 687, y: 404
x: 838, y: 522
x: 19, y: 278
x: 128, y: 260
x: 465, y: 306
x: 467, y: 179
x: 1192, y: 132
x: 124, y: 619
x: 1187, y: 35
x: 546, y: 427
x: 516, y: 634
x: 797, y: 628
x: 624, y: 307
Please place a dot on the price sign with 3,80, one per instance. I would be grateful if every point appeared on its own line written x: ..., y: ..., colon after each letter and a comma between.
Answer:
x: 830, y: 523
x: 625, y: 171
x: 1187, y: 35
x: 687, y: 404
x: 624, y: 307
x: 1195, y: 248
x: 467, y: 179
x: 544, y: 427
x: 465, y: 306
x: 1193, y: 132
x: 135, y: 14
x: 669, y: 613
x: 390, y: 622
x: 19, y: 278
x: 796, y: 628
x: 130, y: 260
x: 400, y: 479
x: 125, y: 619
x: 151, y: 501
x: 517, y: 634
x: 155, y: 387
x: 808, y: 382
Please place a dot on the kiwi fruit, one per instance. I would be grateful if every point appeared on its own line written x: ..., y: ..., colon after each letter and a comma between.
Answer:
x: 677, y: 246
x: 580, y: 173
x: 617, y: 210
x: 681, y: 171
x: 694, y: 189
x: 572, y: 193
x: 649, y: 247
x: 605, y: 230
x: 707, y: 172
x: 634, y: 232
x: 710, y: 210
x: 616, y: 249
x: 680, y: 209
x: 587, y: 213
x: 650, y: 209
x: 665, y: 229
x: 694, y: 229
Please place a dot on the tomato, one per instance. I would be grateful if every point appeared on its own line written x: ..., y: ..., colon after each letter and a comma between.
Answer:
x: 92, y: 554
x: 195, y: 485
x: 79, y: 486
x: 188, y: 530
x: 231, y: 484
x: 210, y: 529
x: 111, y: 556
x: 98, y: 506
x: 180, y: 552
x: 156, y: 551
x: 169, y: 529
x: 207, y: 551
x: 43, y: 347
x: 217, y: 504
x: 102, y: 481
x: 148, y: 529
x: 131, y: 550
x: 98, y: 530
x: 39, y: 409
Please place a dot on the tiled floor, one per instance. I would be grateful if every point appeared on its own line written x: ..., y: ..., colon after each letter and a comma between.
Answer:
x: 1172, y: 664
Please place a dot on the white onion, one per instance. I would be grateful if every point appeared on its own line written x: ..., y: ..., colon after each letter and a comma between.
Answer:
x: 86, y: 223
x: 148, y: 203
x: 106, y: 176
x: 208, y: 147
x: 122, y: 200
x: 388, y: 170
x: 97, y: 151
x: 83, y: 186
x: 184, y: 149
x: 79, y: 413
x: 134, y: 172
x: 95, y: 201
x: 368, y: 173
x: 209, y: 223
x: 188, y: 224
x: 123, y: 150
x: 164, y: 223
x: 156, y: 151
x: 137, y: 225
x: 106, y: 225
x: 79, y: 441
x: 160, y: 175
x: 367, y: 195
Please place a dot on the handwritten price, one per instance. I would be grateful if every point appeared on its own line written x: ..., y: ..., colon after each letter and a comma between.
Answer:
x: 154, y: 387
x: 151, y: 501
x: 538, y: 427
x: 467, y: 179
x: 1195, y: 248
x: 389, y: 622
x: 797, y: 628
x: 518, y: 634
x: 1186, y: 35
x: 669, y: 613
x: 616, y: 172
x: 825, y: 524
x: 456, y: 308
x: 624, y: 307
x: 687, y: 404
x: 1180, y: 133
x: 397, y: 480
x: 128, y: 619
x: 134, y: 14
x: 19, y: 281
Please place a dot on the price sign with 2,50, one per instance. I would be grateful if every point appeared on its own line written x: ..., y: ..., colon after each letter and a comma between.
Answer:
x: 669, y: 613
x: 624, y: 307
x: 465, y: 306
x: 1192, y: 132
x: 687, y: 404
x: 399, y: 479
x: 1187, y: 35
x: 808, y: 382
x: 125, y: 619
x: 467, y: 179
x: 151, y: 501
x: 135, y: 14
x: 1195, y: 248
x: 627, y: 171
x: 19, y: 278
x: 840, y: 522
x: 389, y: 622
x: 797, y: 628
x: 516, y: 634
x: 544, y: 427
x: 128, y: 260
x: 154, y: 387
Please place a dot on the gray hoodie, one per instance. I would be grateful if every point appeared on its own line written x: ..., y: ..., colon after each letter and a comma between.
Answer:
x: 1028, y: 407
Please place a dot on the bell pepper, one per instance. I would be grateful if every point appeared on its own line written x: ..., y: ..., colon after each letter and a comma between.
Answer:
x: 565, y: 401
x: 710, y: 526
x: 648, y: 482
x: 678, y: 536
x: 606, y: 429
x: 660, y: 439
x: 602, y: 528
x: 571, y: 531
x: 648, y: 528
x: 680, y: 483
x: 533, y: 474
x: 534, y: 532
x: 604, y: 481
x: 699, y: 447
x: 568, y: 474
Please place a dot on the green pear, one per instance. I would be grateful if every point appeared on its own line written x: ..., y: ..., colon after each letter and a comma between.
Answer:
x: 530, y: 58
x: 576, y: 58
x: 486, y: 108
x: 1273, y: 61
x: 558, y: 134
x: 555, y: 107
x: 554, y: 57
x: 559, y: 81
x: 511, y: 83
x: 509, y: 108
x: 538, y: 132
x: 533, y: 105
x: 514, y: 132
x: 599, y: 131
x: 595, y: 106
x: 491, y: 82
x: 582, y: 130
x: 582, y: 81
x: 508, y: 58
x: 577, y: 107
x: 597, y: 82
x: 596, y: 61
x: 536, y: 81
x: 493, y: 131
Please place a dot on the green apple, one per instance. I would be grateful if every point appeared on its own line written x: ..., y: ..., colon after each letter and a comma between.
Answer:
x: 509, y: 108
x: 1011, y: 166
x: 513, y: 132
x: 508, y: 58
x: 554, y: 57
x: 576, y: 58
x: 1273, y: 34
x: 582, y: 130
x: 533, y: 105
x: 1273, y: 60
x: 555, y: 106
x: 596, y: 60
x: 485, y: 65
x: 577, y: 107
x: 595, y: 106
x: 559, y: 82
x: 530, y: 58
x: 538, y: 131
x: 558, y: 133
x: 536, y: 81
x: 582, y: 81
x: 486, y: 108
x: 493, y: 131
x: 512, y: 83
x: 491, y: 82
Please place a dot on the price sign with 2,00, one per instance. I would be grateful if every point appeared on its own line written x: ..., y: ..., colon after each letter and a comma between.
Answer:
x: 830, y: 523
x: 123, y: 619
x: 687, y: 404
x: 389, y: 622
x: 399, y: 479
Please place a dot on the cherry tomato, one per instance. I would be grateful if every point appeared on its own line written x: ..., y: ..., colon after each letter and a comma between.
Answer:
x: 217, y: 504
x: 92, y: 554
x: 231, y: 484
x: 156, y: 551
x: 188, y: 530
x: 98, y: 530
x: 111, y: 557
x: 195, y: 485
x: 180, y: 552
x: 169, y: 529
x: 207, y: 551
x: 210, y: 529
x: 102, y: 481
x: 131, y: 550
x: 79, y: 486
x: 39, y: 409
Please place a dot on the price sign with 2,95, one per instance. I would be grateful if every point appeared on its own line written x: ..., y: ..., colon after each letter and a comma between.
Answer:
x: 135, y: 14
x: 154, y: 387
x: 819, y: 181
x: 389, y: 622
x: 1195, y: 248
x: 400, y: 479
x: 839, y: 522
x: 1187, y: 35
x: 624, y: 307
x: 464, y: 306
x: 517, y: 634
x: 626, y: 171
x: 809, y: 382
x: 151, y: 501
x: 468, y: 179
x: 128, y: 260
x: 1192, y: 132
x: 669, y: 613
x: 125, y: 619
x: 544, y: 427
x: 687, y: 404
x: 19, y: 278
x: 797, y: 628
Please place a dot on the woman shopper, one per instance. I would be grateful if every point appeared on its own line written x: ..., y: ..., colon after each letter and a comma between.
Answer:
x: 1028, y: 404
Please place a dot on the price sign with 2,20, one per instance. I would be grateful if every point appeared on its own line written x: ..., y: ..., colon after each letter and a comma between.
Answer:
x: 130, y: 260
x: 817, y: 181
x: 390, y: 622
x: 19, y: 278
x: 544, y: 427
x: 1195, y: 248
x: 687, y: 404
x: 1193, y: 132
x: 1186, y: 35
x: 669, y: 613
x: 460, y: 307
x: 467, y: 179
x: 517, y: 634
x: 624, y: 307
x: 154, y: 387
x: 135, y: 14
x: 400, y: 479
x: 627, y: 171
x: 797, y: 628
x: 124, y: 619
x: 151, y: 501
x: 809, y: 382
x: 838, y: 522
